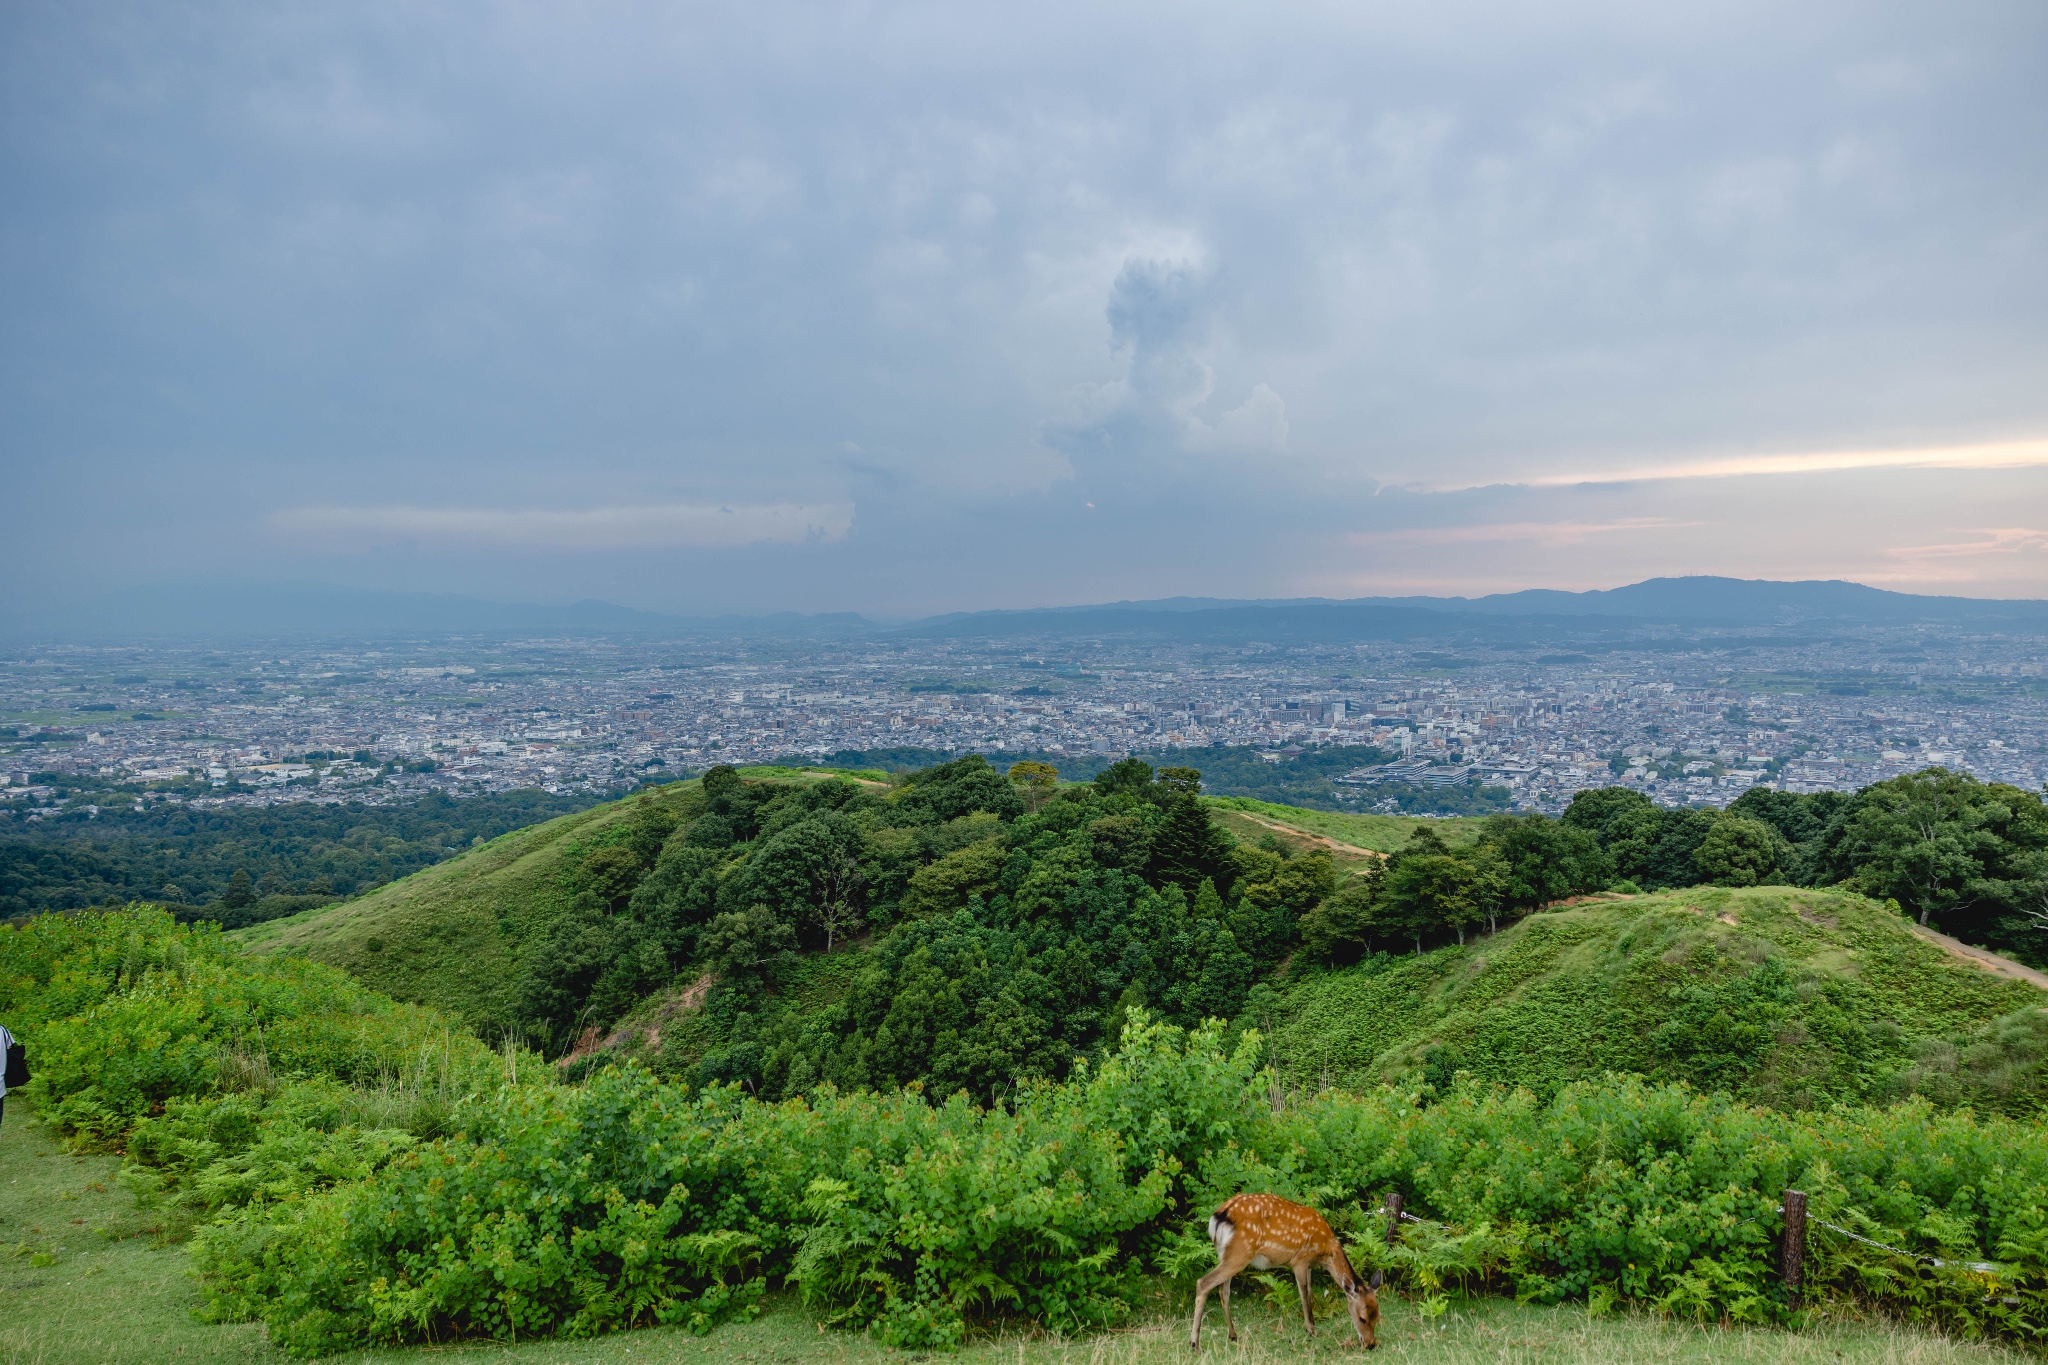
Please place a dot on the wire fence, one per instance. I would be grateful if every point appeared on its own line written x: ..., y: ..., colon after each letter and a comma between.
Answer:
x: 1981, y: 1267
x: 1792, y: 1264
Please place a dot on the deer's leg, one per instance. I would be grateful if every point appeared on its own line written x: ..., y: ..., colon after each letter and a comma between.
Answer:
x: 1302, y: 1274
x: 1230, y: 1263
x: 1229, y: 1326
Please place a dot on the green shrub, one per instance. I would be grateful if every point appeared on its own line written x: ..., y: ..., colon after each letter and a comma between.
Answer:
x: 127, y: 1011
x: 577, y: 1211
x: 230, y: 1082
x: 582, y: 1210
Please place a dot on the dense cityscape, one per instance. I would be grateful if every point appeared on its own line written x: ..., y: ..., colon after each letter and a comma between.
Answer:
x: 1691, y: 722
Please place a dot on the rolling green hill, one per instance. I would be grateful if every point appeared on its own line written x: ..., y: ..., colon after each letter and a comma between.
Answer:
x: 1787, y: 997
x: 451, y: 935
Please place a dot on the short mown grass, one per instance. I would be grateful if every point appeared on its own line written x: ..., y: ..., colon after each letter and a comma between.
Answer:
x: 1381, y: 833
x: 86, y: 1280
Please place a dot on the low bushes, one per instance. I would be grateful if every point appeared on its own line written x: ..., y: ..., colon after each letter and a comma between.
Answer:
x: 227, y: 1080
x: 632, y: 1200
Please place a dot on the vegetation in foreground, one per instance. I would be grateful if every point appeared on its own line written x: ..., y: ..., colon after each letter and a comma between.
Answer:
x: 356, y: 1171
x: 107, y: 1290
x: 112, y: 1293
x: 357, y: 1180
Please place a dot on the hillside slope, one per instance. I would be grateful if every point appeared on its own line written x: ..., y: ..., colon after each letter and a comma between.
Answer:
x: 1345, y: 835
x: 449, y: 935
x: 1787, y: 997
x: 452, y: 935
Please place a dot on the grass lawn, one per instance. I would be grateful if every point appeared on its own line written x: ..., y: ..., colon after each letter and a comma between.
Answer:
x: 1380, y: 833
x: 82, y: 1282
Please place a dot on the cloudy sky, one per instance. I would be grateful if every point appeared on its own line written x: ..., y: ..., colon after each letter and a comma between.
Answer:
x: 913, y: 307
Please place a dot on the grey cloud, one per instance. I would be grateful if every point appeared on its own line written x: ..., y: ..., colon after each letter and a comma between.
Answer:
x: 1221, y: 273
x: 1161, y: 406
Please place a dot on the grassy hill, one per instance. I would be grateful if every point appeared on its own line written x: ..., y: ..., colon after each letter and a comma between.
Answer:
x: 451, y: 935
x: 1340, y: 833
x: 1787, y: 997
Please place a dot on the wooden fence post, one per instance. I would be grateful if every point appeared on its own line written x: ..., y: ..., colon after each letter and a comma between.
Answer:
x: 1792, y: 1264
x: 1393, y: 1216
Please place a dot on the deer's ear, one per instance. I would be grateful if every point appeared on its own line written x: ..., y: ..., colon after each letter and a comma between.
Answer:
x: 1377, y: 1276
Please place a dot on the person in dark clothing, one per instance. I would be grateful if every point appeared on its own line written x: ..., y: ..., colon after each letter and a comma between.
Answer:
x: 16, y: 1071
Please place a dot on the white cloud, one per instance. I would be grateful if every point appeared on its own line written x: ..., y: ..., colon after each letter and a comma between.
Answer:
x: 1988, y: 455
x: 715, y: 525
x: 1162, y: 330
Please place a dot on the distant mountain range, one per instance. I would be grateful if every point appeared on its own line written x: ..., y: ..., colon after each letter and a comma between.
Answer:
x: 313, y: 610
x: 1532, y: 614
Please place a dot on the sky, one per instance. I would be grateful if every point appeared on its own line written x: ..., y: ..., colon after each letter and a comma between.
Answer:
x: 904, y: 308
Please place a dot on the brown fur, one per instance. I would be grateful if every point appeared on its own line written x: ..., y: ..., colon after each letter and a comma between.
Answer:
x: 1255, y: 1226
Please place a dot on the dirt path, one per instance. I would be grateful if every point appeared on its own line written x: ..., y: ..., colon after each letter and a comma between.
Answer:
x: 1977, y: 957
x: 1323, y: 839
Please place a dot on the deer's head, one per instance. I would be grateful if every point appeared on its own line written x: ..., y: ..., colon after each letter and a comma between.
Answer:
x: 1364, y: 1298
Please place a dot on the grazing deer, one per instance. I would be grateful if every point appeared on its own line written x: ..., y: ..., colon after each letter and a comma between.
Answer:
x: 1264, y: 1230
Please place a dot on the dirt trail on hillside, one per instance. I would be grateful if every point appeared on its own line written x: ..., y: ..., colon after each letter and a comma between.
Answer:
x: 1977, y: 957
x: 1323, y: 839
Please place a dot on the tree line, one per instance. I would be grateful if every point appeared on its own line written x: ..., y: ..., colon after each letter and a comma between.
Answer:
x: 1306, y: 778
x: 236, y: 864
x: 1967, y: 857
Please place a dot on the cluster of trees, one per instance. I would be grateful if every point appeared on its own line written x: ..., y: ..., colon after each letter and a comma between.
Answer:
x: 239, y: 864
x: 1025, y: 920
x: 1967, y: 857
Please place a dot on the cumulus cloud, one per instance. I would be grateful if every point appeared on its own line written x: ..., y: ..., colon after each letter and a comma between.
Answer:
x: 703, y: 525
x: 1162, y: 328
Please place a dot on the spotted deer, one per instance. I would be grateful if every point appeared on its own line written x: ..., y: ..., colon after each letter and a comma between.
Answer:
x: 1262, y: 1231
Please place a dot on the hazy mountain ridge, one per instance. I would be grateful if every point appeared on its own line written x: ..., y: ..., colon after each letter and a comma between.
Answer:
x: 1702, y: 600
x: 313, y: 609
